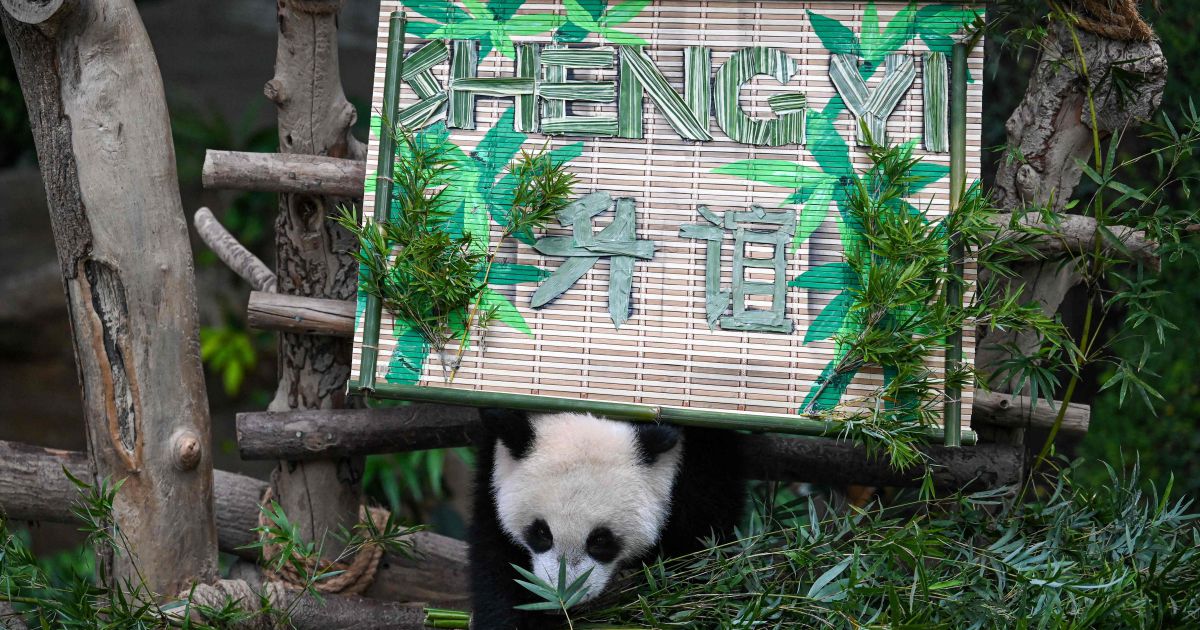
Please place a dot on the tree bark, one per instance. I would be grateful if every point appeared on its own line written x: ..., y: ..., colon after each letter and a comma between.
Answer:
x: 99, y: 118
x: 313, y: 258
x: 1051, y: 130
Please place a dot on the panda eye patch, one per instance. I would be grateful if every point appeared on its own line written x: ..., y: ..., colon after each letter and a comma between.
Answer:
x: 538, y: 536
x: 602, y: 545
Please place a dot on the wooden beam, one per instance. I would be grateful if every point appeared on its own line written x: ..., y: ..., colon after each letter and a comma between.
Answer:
x: 284, y: 173
x: 300, y: 315
x: 277, y: 172
x: 345, y: 432
x: 103, y: 136
x: 1009, y: 410
x: 34, y: 488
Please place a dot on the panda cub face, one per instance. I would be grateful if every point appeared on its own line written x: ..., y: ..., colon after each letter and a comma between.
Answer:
x: 594, y: 491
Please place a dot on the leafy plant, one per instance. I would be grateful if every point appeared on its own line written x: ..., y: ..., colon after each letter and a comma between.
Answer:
x: 437, y: 224
x: 1104, y: 557
x: 561, y: 596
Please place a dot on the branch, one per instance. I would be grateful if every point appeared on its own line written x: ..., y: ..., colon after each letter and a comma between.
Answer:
x: 34, y: 488
x: 284, y: 173
x: 233, y: 253
x: 1073, y: 234
x: 301, y: 315
x: 347, y: 432
x: 32, y: 11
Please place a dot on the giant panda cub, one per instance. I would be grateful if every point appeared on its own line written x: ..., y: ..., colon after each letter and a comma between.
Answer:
x: 606, y: 495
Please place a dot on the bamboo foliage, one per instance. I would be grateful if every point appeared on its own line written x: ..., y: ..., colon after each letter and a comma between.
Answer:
x: 740, y: 68
x: 935, y: 99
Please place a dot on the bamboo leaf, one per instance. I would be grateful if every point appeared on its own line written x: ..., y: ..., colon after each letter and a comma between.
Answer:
x: 505, y: 311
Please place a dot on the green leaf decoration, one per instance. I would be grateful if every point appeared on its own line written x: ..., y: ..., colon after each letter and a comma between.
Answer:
x: 586, y: 17
x: 505, y: 273
x: 775, y: 172
x: 493, y: 24
x: 828, y: 277
x: 829, y: 322
x: 408, y: 359
x: 505, y: 311
x: 834, y: 36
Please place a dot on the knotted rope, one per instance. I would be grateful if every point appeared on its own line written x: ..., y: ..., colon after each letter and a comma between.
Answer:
x: 355, y: 577
x: 1114, y: 19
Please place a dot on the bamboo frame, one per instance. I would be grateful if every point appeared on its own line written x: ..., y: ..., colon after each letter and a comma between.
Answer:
x: 951, y: 435
x: 952, y: 416
x: 383, y: 181
x: 686, y: 416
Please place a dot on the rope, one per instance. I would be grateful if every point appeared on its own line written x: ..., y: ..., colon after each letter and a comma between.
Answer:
x: 1115, y: 19
x: 355, y: 577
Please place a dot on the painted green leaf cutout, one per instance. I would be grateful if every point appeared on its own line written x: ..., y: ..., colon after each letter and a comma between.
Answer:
x: 505, y: 311
x: 408, y: 359
x: 829, y: 321
x: 828, y: 277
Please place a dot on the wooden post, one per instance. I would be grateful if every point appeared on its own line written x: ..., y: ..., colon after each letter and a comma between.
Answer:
x: 99, y: 118
x: 313, y: 259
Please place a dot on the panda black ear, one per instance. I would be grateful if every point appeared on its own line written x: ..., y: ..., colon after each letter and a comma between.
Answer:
x: 511, y: 427
x: 655, y: 439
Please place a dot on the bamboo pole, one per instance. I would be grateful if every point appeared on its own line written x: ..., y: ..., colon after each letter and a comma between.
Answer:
x: 383, y: 187
x: 958, y: 187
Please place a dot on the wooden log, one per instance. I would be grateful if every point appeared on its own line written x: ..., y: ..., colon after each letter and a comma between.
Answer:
x: 284, y: 173
x: 34, y: 488
x: 345, y: 432
x: 32, y: 484
x: 1008, y: 410
x: 313, y: 257
x: 300, y: 315
x: 100, y: 125
x: 301, y: 435
x: 833, y: 462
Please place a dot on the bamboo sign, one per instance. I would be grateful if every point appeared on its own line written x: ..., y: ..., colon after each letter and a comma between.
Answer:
x: 700, y: 266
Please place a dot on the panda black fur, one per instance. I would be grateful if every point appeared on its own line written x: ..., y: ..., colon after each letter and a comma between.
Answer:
x: 617, y: 493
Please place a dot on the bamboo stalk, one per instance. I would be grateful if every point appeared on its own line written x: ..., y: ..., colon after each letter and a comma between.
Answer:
x: 958, y: 184
x: 383, y: 188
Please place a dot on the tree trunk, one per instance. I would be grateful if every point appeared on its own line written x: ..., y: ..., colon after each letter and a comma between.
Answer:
x: 99, y: 118
x: 1050, y: 130
x: 313, y: 259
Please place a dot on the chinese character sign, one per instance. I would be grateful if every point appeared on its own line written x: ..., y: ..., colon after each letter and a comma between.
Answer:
x: 700, y: 263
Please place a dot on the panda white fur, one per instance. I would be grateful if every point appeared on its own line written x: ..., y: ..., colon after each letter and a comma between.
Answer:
x: 605, y: 494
